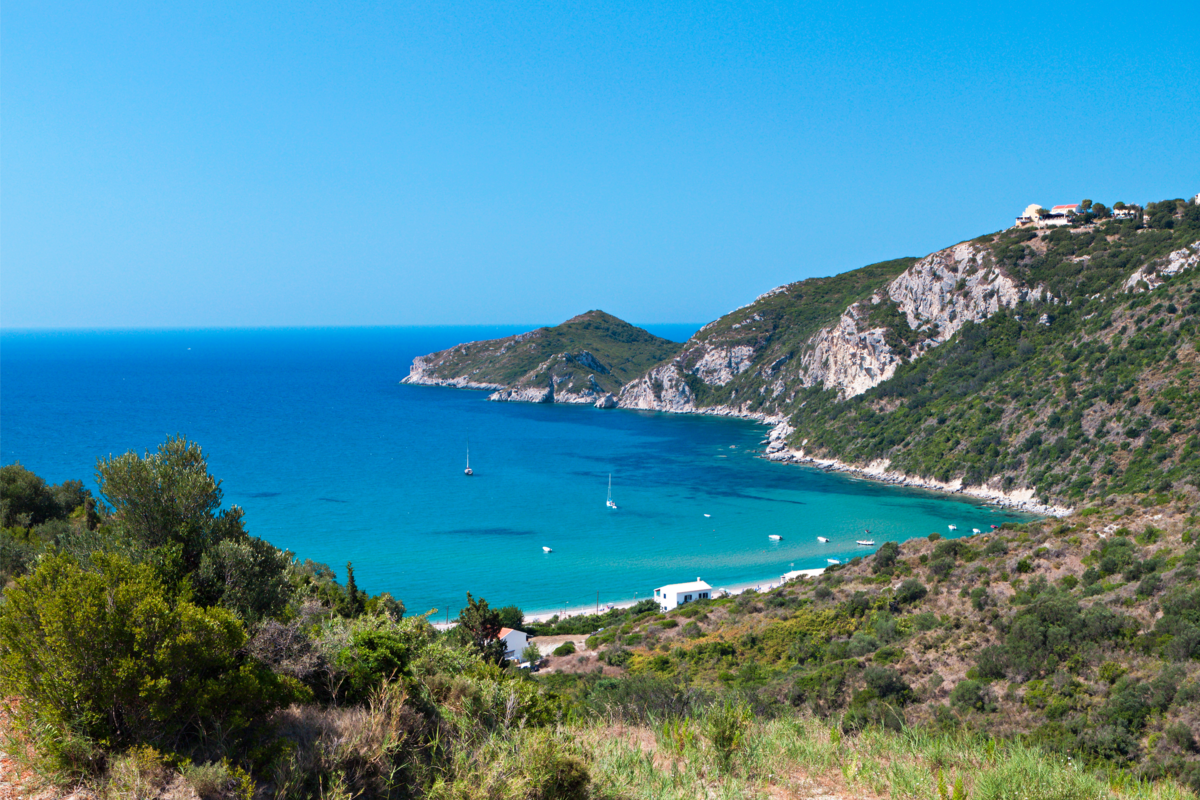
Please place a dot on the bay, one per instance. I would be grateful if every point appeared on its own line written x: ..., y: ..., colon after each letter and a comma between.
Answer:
x: 331, y: 457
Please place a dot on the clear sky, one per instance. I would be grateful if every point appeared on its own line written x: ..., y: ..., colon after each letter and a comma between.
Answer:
x: 214, y: 164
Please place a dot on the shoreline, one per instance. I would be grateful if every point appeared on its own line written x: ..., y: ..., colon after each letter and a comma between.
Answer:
x: 880, y: 472
x: 732, y: 589
x: 777, y: 450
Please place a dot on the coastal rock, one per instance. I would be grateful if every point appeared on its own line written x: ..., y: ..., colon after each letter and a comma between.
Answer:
x: 607, y: 401
x: 526, y: 394
x: 1021, y: 499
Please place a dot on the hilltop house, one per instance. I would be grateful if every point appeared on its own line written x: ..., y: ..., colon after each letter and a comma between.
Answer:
x: 515, y: 643
x: 1039, y: 217
x: 676, y: 594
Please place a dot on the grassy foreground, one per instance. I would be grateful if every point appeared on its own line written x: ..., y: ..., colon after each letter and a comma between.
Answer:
x: 724, y: 753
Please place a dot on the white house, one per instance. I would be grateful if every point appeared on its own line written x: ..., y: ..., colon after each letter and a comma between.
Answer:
x: 515, y: 643
x: 676, y: 594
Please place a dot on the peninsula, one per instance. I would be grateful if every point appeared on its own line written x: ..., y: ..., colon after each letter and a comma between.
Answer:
x: 587, y: 359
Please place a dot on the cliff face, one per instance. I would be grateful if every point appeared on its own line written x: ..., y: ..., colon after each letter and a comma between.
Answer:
x: 584, y: 360
x: 750, y: 362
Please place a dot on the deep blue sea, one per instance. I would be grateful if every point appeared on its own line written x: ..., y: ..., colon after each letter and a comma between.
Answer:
x: 311, y: 432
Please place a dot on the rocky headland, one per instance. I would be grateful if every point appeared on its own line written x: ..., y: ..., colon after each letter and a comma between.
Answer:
x: 1031, y: 368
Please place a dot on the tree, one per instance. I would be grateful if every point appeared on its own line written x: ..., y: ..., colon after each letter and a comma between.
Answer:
x: 1085, y: 205
x: 531, y: 654
x: 354, y: 604
x: 511, y: 617
x: 248, y: 576
x: 27, y: 500
x: 168, y: 498
x: 482, y: 626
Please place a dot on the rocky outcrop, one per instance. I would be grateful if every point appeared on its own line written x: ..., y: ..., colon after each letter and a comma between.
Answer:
x: 421, y: 373
x: 1155, y: 273
x: 859, y: 349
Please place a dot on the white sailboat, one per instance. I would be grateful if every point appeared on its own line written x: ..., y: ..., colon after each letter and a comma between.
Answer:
x: 609, y: 502
x: 468, y: 471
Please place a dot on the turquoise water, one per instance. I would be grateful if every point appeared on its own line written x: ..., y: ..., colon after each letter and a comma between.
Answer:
x: 312, y: 434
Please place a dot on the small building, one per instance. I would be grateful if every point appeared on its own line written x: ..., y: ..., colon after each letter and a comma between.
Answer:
x: 677, y: 594
x: 515, y: 643
x: 1039, y: 217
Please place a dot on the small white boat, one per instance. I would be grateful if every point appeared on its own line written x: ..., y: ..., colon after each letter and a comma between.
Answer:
x: 976, y: 530
x: 468, y: 471
x: 609, y: 502
x: 865, y: 542
x: 822, y: 539
x: 775, y: 537
x: 708, y: 515
x: 547, y: 549
x: 833, y: 561
x: 952, y: 527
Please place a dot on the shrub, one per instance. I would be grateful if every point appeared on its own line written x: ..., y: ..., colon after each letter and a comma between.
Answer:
x: 862, y: 644
x: 1180, y: 735
x: 885, y: 557
x: 725, y: 725
x: 642, y: 698
x: 114, y: 655
x: 565, y: 649
x: 969, y: 694
x: 888, y: 685
x: 911, y: 591
x: 940, y: 568
x: 378, y: 651
x: 692, y: 630
x: 996, y: 547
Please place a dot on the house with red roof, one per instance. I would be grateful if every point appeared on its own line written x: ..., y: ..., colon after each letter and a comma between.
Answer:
x: 515, y: 643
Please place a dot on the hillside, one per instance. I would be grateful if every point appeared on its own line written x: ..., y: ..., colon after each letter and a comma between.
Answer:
x: 583, y: 360
x: 1087, y: 392
x: 1080, y: 636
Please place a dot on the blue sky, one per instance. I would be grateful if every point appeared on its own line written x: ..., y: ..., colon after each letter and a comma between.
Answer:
x: 243, y: 164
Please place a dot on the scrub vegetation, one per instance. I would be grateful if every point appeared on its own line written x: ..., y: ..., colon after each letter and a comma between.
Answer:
x: 150, y: 647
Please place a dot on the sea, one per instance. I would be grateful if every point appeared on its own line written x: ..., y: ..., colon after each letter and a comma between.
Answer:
x: 311, y: 432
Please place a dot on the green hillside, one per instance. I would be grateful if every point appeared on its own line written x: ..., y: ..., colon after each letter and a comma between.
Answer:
x: 1091, y: 395
x: 1081, y: 637
x: 594, y: 344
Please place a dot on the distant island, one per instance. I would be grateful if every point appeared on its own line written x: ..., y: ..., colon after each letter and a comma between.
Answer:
x: 1041, y: 366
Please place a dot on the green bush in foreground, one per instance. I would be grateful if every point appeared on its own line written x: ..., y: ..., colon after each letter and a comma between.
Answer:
x: 115, y: 656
